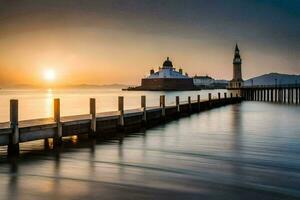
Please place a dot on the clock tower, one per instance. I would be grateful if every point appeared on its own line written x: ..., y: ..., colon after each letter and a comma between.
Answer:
x: 237, y: 80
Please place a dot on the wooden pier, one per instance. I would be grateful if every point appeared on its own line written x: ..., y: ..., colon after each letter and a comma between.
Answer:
x: 105, y: 124
x: 289, y: 94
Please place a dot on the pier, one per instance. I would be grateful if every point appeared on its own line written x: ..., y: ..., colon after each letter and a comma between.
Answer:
x: 102, y: 125
x: 289, y: 93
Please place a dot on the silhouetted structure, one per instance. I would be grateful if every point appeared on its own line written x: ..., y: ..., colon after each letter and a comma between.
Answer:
x: 237, y: 80
x: 166, y: 78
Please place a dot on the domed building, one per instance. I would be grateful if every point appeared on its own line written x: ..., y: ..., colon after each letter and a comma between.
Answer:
x: 167, y: 78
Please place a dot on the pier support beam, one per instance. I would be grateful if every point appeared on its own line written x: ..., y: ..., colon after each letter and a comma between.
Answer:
x: 93, y: 116
x: 121, y: 112
x: 162, y: 105
x: 297, y: 95
x: 225, y: 95
x: 143, y: 107
x: 219, y: 95
x: 177, y: 104
x: 209, y: 99
x: 231, y: 95
x: 289, y: 95
x: 272, y: 95
x: 13, y: 146
x: 198, y: 102
x: 292, y: 95
x: 58, y: 137
x: 190, y: 104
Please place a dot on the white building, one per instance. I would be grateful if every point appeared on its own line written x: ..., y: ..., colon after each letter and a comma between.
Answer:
x: 167, y: 71
x: 167, y: 78
x: 203, y: 80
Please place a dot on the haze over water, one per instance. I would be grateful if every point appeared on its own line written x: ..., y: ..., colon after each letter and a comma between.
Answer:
x: 242, y: 151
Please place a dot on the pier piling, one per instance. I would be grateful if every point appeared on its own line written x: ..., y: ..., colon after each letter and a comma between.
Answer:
x: 198, y: 102
x: 143, y: 107
x: 93, y: 116
x: 177, y: 104
x: 121, y: 111
x: 58, y: 136
x: 190, y: 104
x: 13, y: 147
x: 162, y: 105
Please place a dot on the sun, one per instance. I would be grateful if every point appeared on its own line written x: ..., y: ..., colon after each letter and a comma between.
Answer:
x: 49, y: 75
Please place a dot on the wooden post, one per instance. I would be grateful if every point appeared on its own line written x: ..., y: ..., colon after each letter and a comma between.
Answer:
x: 292, y: 95
x: 209, y: 96
x: 13, y: 147
x: 272, y: 95
x: 219, y: 95
x: 268, y: 95
x: 297, y: 95
x: 162, y: 105
x: 190, y: 104
x: 225, y: 95
x: 177, y: 104
x: 143, y: 106
x: 198, y: 102
x: 121, y: 110
x: 276, y: 95
x: 231, y: 95
x: 58, y: 136
x: 289, y: 95
x: 93, y: 115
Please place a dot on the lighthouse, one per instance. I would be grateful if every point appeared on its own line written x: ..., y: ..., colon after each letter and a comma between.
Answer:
x: 237, y: 80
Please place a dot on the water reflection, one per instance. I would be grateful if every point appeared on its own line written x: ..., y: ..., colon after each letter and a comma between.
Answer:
x: 39, y: 103
x: 225, y: 153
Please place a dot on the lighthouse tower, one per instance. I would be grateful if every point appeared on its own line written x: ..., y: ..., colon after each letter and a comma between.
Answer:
x: 237, y: 80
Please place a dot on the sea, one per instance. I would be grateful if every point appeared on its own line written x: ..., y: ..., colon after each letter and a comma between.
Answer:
x: 242, y: 151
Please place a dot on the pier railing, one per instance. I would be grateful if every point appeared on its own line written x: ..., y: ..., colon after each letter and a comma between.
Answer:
x: 289, y: 93
x: 296, y: 85
x: 105, y: 124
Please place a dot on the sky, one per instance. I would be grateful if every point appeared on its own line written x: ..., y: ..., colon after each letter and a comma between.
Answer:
x: 119, y: 41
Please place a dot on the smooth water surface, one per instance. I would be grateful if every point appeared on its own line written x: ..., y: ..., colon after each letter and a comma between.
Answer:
x: 38, y: 103
x: 244, y: 151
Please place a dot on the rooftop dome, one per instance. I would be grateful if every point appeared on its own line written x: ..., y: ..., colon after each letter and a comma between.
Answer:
x: 167, y: 63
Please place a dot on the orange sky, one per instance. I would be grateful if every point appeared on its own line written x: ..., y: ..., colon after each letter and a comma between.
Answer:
x: 95, y: 49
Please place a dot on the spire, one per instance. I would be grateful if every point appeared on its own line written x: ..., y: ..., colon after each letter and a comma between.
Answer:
x: 236, y: 47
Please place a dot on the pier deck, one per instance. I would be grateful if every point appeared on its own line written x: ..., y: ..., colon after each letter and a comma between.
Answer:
x: 106, y: 123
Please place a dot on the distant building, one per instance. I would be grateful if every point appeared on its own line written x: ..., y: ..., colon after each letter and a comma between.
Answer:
x: 203, y: 80
x: 237, y: 80
x: 167, y: 78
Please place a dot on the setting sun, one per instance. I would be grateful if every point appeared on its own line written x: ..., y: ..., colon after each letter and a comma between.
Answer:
x: 49, y: 75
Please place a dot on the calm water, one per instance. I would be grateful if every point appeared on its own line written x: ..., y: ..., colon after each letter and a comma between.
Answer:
x: 39, y: 103
x: 246, y: 151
